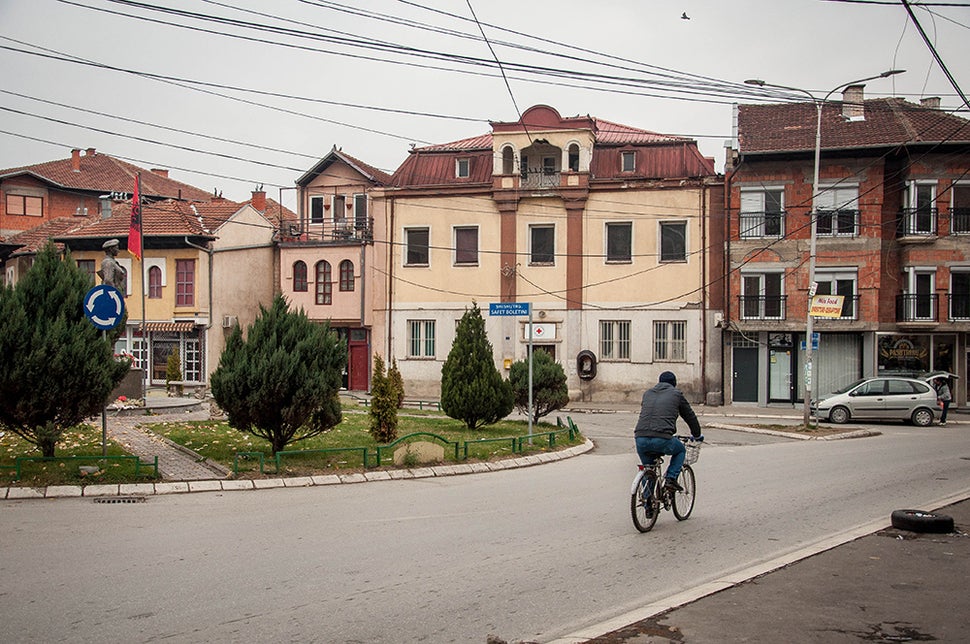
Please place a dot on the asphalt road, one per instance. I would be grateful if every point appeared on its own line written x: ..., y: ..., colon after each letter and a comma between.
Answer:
x: 532, y: 554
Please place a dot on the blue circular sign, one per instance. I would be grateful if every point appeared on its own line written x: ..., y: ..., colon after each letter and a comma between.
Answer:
x: 104, y: 305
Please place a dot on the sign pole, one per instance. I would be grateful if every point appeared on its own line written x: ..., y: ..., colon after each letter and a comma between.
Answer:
x: 104, y: 416
x: 530, y: 373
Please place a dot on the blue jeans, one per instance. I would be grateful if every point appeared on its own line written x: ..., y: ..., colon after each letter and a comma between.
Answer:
x: 670, y: 446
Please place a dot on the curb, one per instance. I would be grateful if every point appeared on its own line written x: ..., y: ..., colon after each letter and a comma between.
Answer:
x: 229, y: 485
x: 858, y: 433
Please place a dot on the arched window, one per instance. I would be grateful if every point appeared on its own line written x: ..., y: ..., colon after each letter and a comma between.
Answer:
x: 508, y: 160
x: 574, y: 157
x: 154, y: 282
x: 299, y: 276
x: 324, y: 283
x: 346, y: 275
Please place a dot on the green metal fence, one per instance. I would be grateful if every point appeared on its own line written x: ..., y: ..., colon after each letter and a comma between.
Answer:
x: 136, y: 460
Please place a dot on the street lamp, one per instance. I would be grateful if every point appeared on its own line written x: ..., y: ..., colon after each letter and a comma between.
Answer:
x: 810, y: 322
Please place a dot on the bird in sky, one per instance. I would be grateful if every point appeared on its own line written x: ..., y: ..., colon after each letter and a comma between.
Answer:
x: 684, y: 16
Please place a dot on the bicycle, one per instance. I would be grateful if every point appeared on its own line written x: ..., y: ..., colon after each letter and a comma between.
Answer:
x: 647, y: 498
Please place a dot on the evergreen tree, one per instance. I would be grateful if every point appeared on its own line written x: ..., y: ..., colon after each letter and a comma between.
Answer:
x: 280, y: 383
x: 58, y: 369
x: 383, y: 405
x: 397, y: 382
x: 549, y: 390
x: 173, y: 371
x: 472, y: 389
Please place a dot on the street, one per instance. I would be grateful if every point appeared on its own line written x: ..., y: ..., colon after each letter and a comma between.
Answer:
x: 533, y: 554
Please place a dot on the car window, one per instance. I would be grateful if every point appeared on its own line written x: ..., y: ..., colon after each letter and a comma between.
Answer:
x: 899, y: 387
x: 871, y: 388
x: 920, y: 387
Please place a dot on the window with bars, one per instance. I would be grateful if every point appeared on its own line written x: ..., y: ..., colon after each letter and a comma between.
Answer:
x: 762, y: 214
x: 185, y: 282
x: 614, y: 339
x: 192, y: 365
x: 324, y: 283
x: 466, y: 246
x: 346, y: 275
x: 421, y: 338
x: 838, y: 211
x: 670, y: 341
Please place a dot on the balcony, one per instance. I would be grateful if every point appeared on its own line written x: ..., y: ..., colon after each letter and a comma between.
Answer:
x: 759, y: 225
x: 762, y: 307
x: 837, y: 223
x: 959, y: 307
x: 918, y: 222
x: 342, y: 231
x: 850, y: 308
x: 959, y: 221
x: 541, y: 178
x: 918, y: 307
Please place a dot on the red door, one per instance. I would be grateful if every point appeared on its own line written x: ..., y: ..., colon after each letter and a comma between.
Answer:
x: 359, y: 366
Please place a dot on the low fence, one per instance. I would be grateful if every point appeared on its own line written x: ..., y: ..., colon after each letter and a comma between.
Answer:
x: 361, y: 456
x: 139, y: 464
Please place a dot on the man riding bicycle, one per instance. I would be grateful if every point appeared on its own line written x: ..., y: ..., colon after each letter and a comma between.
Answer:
x: 657, y: 425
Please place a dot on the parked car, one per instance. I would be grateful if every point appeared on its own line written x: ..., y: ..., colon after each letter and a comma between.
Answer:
x: 881, y: 398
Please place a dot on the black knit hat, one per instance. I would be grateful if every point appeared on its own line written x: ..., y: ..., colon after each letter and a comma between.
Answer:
x: 669, y: 377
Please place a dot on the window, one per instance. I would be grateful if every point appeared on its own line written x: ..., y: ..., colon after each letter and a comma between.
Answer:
x: 919, y: 215
x: 614, y: 339
x: 960, y: 210
x: 673, y: 241
x: 839, y: 283
x: 960, y: 294
x: 670, y: 341
x: 87, y: 266
x: 762, y: 213
x: 508, y: 160
x: 154, y: 282
x: 324, y: 289
x: 573, y: 152
x: 361, y: 221
x: 463, y: 168
x: 184, y: 282
x: 542, y: 244
x: 628, y: 161
x: 466, y: 246
x: 838, y: 211
x: 762, y: 297
x: 25, y: 205
x: 619, y: 242
x: 299, y: 276
x: 416, y: 247
x: 339, y: 210
x: 316, y: 210
x: 548, y: 166
x: 192, y: 365
x: 346, y: 275
x: 421, y: 338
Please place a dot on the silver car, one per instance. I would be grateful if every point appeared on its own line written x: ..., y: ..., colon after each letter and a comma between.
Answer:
x: 886, y: 398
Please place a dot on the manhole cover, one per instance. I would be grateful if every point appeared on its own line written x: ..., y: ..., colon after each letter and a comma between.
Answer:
x: 121, y: 499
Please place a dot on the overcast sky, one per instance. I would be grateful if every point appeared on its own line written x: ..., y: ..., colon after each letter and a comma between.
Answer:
x: 376, y: 76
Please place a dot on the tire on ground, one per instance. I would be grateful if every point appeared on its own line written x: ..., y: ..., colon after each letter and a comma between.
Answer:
x: 919, y: 521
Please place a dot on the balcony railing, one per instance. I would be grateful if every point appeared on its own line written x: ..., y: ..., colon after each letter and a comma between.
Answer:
x: 918, y: 307
x: 959, y: 306
x: 850, y: 307
x: 762, y: 307
x: 837, y: 223
x: 959, y: 221
x: 753, y: 225
x: 918, y: 222
x: 540, y: 178
x: 352, y: 230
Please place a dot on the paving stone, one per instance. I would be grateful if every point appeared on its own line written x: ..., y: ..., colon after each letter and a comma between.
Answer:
x: 25, y: 493
x: 380, y: 475
x: 422, y: 472
x: 401, y: 474
x: 60, y: 491
x: 327, y: 479
x: 136, y: 488
x: 298, y: 481
x: 352, y: 478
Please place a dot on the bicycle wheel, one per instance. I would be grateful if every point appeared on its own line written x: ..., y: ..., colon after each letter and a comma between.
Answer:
x: 683, y: 502
x: 643, y: 505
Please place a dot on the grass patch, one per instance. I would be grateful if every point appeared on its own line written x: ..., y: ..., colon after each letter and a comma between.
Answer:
x: 82, y: 440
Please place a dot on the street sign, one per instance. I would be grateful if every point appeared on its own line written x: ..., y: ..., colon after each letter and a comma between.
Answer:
x: 508, y: 308
x: 104, y: 306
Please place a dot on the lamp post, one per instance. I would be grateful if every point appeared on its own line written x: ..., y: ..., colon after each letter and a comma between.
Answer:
x: 810, y: 322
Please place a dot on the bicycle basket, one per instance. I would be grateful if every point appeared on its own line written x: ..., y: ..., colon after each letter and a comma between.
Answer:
x: 693, y: 452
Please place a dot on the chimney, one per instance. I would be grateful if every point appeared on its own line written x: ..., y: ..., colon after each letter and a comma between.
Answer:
x: 76, y: 160
x: 89, y: 152
x: 852, y: 105
x: 931, y: 102
x: 160, y: 172
x: 259, y: 200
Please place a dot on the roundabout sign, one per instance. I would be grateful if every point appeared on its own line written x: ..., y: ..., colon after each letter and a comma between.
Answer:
x: 104, y: 306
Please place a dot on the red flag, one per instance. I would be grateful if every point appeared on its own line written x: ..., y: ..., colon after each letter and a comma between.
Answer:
x: 134, y: 233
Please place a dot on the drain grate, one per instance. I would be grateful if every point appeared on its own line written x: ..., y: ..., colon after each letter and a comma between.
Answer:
x: 120, y: 499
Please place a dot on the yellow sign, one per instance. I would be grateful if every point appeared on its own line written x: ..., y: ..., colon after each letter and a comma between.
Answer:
x: 826, y: 306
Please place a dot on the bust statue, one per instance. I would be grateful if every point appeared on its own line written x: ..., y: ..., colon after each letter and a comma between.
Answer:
x: 112, y: 273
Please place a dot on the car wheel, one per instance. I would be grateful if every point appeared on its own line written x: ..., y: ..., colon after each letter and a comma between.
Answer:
x: 839, y: 415
x: 918, y: 521
x: 922, y: 417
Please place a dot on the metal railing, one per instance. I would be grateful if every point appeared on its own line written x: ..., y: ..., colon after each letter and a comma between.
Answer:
x: 959, y: 221
x: 540, y: 178
x: 762, y: 307
x: 958, y: 306
x: 837, y: 223
x: 350, y: 229
x: 917, y: 307
x: 917, y: 222
x: 753, y: 225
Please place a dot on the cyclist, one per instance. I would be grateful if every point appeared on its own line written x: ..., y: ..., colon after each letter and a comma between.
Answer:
x: 657, y: 425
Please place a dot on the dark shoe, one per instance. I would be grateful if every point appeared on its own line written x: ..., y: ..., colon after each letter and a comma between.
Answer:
x: 672, y: 484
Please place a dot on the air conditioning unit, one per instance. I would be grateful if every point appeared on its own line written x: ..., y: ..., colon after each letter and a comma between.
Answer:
x: 229, y: 321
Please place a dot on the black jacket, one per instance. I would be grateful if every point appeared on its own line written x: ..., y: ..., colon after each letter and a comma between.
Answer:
x: 659, y: 411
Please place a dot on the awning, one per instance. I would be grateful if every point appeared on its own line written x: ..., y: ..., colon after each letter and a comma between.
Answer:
x: 177, y: 327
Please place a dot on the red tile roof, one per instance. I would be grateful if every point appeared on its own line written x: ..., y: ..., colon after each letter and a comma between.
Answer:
x: 34, y: 239
x: 888, y: 122
x: 168, y: 218
x: 369, y: 172
x: 103, y: 173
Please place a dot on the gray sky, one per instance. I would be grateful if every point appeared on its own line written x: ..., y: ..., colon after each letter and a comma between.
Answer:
x: 630, y: 45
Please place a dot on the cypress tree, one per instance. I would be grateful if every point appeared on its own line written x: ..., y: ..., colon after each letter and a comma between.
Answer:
x: 472, y: 389
x: 58, y: 368
x: 383, y: 405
